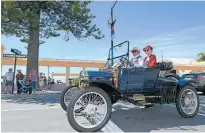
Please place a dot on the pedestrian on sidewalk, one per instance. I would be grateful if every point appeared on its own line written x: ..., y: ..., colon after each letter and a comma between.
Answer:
x: 9, y: 80
x: 33, y: 78
x: 19, y: 76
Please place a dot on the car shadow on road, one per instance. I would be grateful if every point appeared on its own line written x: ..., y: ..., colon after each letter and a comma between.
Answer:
x: 36, y: 98
x: 159, y: 117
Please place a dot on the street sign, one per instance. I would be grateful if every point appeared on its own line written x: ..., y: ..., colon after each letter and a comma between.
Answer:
x: 15, y: 51
x: 14, y: 55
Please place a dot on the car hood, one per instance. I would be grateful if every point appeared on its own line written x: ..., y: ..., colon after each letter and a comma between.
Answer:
x: 96, y: 75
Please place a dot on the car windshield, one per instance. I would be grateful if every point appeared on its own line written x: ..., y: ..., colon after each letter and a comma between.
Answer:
x: 119, y: 52
x: 189, y: 76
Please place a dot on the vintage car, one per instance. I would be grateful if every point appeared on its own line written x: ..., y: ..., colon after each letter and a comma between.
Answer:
x: 89, y: 105
x: 73, y: 87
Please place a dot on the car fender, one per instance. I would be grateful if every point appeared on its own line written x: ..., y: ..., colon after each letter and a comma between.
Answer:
x: 172, y: 74
x: 106, y: 86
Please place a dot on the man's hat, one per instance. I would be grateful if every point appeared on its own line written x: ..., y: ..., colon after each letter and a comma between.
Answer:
x: 148, y: 47
x: 135, y: 49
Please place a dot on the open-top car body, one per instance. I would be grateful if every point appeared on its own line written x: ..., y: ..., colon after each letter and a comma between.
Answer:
x: 89, y: 108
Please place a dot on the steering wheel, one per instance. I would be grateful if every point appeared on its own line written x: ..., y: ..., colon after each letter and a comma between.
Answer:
x: 122, y: 62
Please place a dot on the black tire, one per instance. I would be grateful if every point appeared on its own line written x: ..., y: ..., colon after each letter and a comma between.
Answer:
x: 30, y: 91
x: 177, y: 77
x: 178, y: 103
x: 70, y: 110
x: 63, y: 105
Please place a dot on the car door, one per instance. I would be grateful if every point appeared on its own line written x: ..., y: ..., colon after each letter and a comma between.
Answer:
x: 150, y: 77
x: 135, y: 80
x: 123, y: 79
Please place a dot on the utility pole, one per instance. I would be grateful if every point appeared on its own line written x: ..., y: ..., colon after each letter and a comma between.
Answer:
x: 112, y: 30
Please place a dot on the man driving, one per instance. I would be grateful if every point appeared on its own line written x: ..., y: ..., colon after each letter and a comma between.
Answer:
x: 137, y: 60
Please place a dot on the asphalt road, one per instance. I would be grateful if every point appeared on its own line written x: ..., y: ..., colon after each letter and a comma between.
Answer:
x: 41, y: 112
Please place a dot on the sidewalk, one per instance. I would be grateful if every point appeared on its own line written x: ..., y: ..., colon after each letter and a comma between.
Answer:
x: 54, y: 88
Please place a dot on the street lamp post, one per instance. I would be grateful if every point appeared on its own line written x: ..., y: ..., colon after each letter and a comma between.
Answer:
x: 112, y: 26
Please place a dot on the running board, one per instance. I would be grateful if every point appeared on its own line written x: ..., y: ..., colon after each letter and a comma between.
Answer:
x: 138, y: 97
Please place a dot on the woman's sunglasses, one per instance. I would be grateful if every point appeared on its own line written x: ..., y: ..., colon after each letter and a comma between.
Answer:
x: 146, y: 50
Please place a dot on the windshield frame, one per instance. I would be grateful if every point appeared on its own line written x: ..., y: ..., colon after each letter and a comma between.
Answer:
x: 126, y: 55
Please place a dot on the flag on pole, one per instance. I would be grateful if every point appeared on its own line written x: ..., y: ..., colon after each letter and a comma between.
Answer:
x: 112, y: 24
x: 113, y: 29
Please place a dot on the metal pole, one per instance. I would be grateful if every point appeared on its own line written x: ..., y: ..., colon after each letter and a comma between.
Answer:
x: 112, y: 37
x: 112, y: 54
x: 14, y: 74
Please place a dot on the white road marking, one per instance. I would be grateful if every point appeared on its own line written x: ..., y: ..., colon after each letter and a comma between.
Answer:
x: 200, y: 114
x: 7, y: 110
x: 112, y: 127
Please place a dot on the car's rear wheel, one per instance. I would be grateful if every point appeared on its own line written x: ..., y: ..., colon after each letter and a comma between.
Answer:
x: 187, y: 102
x: 89, y: 110
x: 67, y: 95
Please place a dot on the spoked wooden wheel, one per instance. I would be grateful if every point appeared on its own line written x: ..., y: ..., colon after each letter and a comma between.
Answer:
x: 89, y: 110
x: 188, y: 102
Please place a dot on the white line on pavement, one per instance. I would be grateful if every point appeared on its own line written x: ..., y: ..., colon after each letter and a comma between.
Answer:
x: 7, y: 110
x: 200, y: 114
x: 112, y: 127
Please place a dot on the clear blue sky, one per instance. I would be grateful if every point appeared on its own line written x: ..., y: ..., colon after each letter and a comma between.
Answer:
x: 177, y: 28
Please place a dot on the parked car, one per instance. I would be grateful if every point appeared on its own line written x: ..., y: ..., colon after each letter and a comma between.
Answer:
x: 196, y: 79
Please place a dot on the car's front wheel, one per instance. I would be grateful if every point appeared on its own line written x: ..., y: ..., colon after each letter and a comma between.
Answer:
x: 89, y: 110
x: 187, y: 101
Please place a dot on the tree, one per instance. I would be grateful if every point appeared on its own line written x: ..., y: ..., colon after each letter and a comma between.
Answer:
x: 201, y: 56
x: 35, y: 21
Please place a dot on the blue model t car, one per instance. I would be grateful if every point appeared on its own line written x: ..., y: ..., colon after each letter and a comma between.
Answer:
x: 90, y: 106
